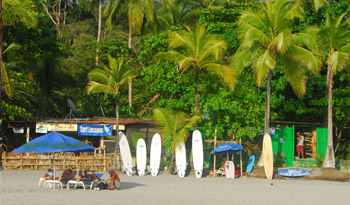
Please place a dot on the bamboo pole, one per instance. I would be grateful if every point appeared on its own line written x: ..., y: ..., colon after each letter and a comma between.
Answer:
x: 241, y: 161
x: 216, y: 133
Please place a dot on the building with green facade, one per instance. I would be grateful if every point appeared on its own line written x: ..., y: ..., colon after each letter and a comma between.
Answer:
x: 284, y: 141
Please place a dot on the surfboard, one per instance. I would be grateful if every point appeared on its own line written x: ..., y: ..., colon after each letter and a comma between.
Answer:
x: 268, y: 156
x: 293, y: 172
x: 141, y: 157
x: 250, y: 164
x: 125, y: 152
x: 180, y: 158
x: 229, y: 170
x: 156, y: 148
x: 197, y: 153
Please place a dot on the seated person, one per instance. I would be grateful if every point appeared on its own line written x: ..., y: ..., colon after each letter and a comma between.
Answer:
x: 87, y: 176
x: 48, y: 175
x: 66, y: 175
x: 113, y: 176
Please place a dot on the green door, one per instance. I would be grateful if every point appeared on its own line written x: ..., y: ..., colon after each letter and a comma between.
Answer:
x: 289, y: 144
x: 283, y: 142
x: 321, y: 141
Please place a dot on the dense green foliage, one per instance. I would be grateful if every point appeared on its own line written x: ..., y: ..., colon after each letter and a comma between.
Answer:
x: 52, y: 64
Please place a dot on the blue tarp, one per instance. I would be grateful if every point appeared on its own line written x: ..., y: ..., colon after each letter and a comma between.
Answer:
x: 54, y: 142
x: 229, y: 148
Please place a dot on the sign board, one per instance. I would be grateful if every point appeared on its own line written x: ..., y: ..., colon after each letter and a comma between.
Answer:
x: 41, y: 128
x: 121, y: 127
x: 18, y: 130
x: 63, y: 127
x: 95, y: 130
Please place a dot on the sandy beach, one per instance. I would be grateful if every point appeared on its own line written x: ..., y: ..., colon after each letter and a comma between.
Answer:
x: 21, y: 187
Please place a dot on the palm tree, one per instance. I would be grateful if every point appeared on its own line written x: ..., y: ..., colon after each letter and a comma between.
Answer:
x: 267, y: 40
x: 174, y: 126
x: 137, y: 11
x: 199, y: 53
x: 12, y: 11
x: 94, y: 3
x: 333, y: 39
x: 108, y: 80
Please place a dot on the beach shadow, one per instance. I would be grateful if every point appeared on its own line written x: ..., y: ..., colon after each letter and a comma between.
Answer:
x: 130, y: 185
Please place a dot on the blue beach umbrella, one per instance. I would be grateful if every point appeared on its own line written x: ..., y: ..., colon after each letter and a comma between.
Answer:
x: 229, y: 148
x: 52, y: 143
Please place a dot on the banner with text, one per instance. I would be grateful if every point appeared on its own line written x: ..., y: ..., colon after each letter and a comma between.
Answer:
x: 95, y: 130
x: 63, y: 127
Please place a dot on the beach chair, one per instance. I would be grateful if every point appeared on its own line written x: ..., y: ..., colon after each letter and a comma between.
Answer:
x: 84, y: 183
x: 51, y: 183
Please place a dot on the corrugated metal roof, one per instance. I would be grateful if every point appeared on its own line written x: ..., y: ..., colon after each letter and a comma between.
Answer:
x: 16, y: 124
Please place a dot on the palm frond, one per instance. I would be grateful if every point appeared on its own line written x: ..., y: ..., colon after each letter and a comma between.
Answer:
x: 262, y: 65
x: 225, y: 72
x: 19, y: 11
x: 171, y: 56
x: 338, y: 60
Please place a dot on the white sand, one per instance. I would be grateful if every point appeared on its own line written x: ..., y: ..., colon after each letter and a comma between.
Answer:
x: 21, y: 187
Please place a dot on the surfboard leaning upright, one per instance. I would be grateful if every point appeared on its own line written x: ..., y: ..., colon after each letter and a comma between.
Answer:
x: 141, y: 157
x: 125, y: 152
x: 268, y: 156
x: 180, y: 158
x: 197, y: 149
x: 156, y: 148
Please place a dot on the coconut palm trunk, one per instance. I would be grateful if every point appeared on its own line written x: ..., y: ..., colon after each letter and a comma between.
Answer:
x: 99, y: 28
x: 329, y: 160
x: 267, y: 114
x: 116, y: 148
x: 1, y: 65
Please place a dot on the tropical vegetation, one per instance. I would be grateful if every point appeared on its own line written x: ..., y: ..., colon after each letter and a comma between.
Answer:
x: 188, y: 56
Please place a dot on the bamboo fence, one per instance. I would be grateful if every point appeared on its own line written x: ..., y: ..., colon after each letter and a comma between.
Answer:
x: 91, y: 161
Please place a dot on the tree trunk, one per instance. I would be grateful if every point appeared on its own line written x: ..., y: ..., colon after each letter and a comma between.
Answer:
x: 267, y: 114
x: 130, y: 82
x: 196, y: 103
x: 171, y: 164
x: 329, y: 159
x: 1, y: 67
x: 116, y: 148
x: 99, y: 28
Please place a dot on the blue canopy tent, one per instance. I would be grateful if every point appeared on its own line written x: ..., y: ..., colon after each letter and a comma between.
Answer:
x: 52, y: 143
x: 228, y: 148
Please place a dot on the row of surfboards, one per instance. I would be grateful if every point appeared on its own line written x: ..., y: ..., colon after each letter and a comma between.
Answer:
x: 155, y: 155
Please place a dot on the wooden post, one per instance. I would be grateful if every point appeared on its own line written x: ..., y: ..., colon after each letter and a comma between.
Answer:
x: 240, y: 142
x: 104, y: 159
x: 27, y: 134
x: 216, y: 133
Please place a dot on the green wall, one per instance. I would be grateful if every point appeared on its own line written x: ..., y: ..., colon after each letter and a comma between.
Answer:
x: 283, y: 142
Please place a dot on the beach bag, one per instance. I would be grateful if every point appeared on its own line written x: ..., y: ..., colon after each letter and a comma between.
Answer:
x: 102, y: 186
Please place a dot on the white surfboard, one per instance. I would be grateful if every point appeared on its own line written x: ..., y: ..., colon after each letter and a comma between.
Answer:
x: 141, y: 157
x: 180, y: 157
x: 156, y: 148
x: 125, y: 152
x: 197, y: 150
x: 229, y: 170
x: 268, y: 156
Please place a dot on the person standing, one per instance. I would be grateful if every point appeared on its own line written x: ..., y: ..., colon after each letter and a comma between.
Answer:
x: 300, y: 145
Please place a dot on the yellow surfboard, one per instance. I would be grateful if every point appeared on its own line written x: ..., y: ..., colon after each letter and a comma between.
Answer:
x: 268, y: 156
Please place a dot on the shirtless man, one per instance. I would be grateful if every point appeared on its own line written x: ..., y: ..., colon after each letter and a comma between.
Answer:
x: 87, y: 176
x: 113, y: 176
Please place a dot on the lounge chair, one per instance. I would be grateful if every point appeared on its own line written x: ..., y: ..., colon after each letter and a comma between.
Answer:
x: 55, y: 182
x: 85, y: 183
